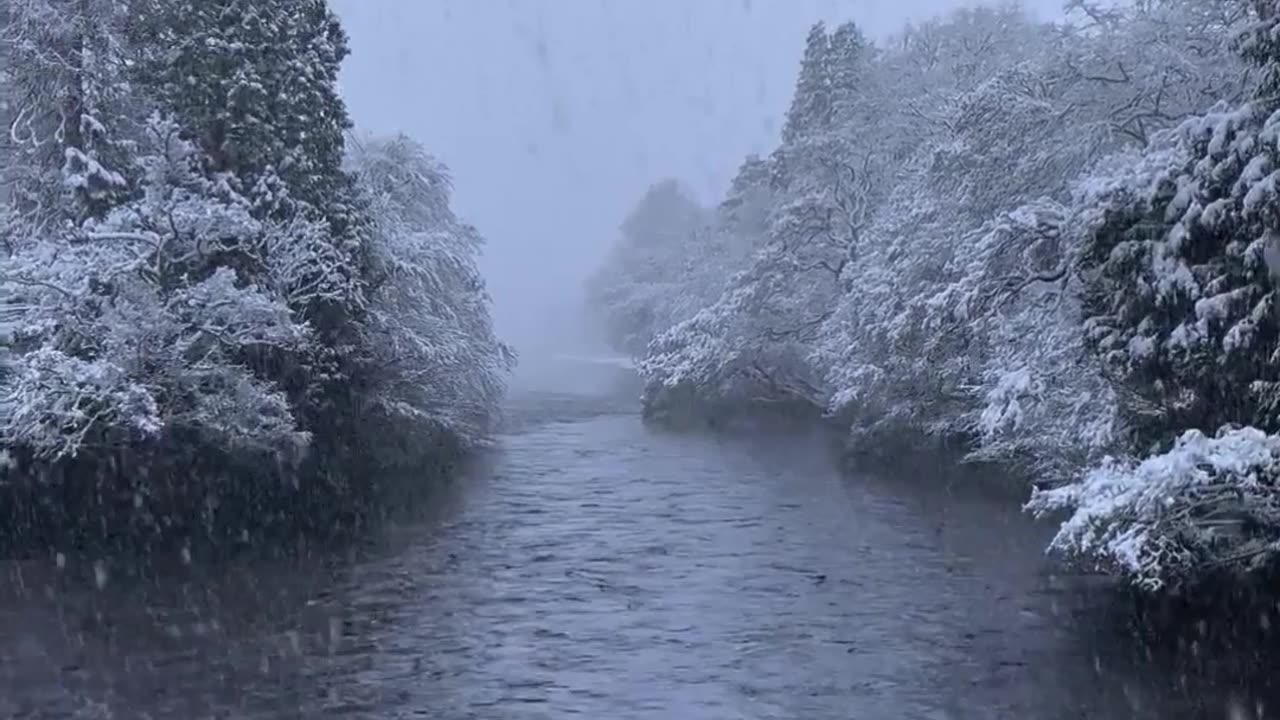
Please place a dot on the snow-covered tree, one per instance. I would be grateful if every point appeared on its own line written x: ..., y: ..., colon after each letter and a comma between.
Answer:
x: 113, y: 340
x: 979, y: 123
x: 1145, y: 66
x: 1260, y: 45
x: 1178, y: 262
x: 849, y: 64
x: 195, y: 290
x: 1180, y: 299
x: 814, y: 196
x: 66, y: 108
x: 637, y: 291
x: 266, y: 113
x: 255, y: 84
x: 1044, y: 405
x: 812, y: 105
x: 899, y: 351
x: 744, y: 211
x: 769, y: 314
x: 978, y: 214
x: 438, y: 367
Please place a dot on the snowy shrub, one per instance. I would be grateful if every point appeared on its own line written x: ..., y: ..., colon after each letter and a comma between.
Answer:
x: 1209, y: 504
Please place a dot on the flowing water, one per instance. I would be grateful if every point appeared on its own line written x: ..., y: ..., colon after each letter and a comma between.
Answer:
x: 589, y: 566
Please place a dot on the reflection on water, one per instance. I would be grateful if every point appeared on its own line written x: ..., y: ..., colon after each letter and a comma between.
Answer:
x: 589, y: 566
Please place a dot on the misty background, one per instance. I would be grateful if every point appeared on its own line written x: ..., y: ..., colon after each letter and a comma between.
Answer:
x: 555, y: 115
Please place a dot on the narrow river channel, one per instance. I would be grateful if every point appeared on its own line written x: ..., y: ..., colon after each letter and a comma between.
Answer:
x: 588, y: 566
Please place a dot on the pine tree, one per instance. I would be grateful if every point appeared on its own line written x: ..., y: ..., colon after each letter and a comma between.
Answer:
x: 254, y: 83
x: 745, y: 209
x: 849, y: 67
x: 811, y: 106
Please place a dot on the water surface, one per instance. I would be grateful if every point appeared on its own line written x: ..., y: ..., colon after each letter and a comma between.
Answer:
x: 589, y: 566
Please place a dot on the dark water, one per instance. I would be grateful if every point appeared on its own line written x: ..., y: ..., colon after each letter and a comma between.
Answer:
x: 590, y: 567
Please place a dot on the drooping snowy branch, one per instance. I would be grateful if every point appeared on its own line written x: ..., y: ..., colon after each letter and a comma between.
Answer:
x: 1209, y: 504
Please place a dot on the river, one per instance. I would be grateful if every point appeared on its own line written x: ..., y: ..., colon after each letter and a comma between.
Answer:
x: 589, y: 566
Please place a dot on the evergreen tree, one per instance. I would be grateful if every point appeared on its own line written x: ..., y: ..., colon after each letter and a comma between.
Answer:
x: 254, y: 83
x: 1181, y: 295
x: 744, y: 212
x: 849, y: 68
x: 811, y: 106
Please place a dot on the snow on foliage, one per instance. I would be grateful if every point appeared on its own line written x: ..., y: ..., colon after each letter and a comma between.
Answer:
x: 722, y: 358
x: 139, y: 304
x: 1208, y: 504
x: 1042, y: 240
x: 192, y: 273
x: 64, y: 97
x: 439, y: 362
x: 1043, y: 403
x: 752, y: 343
x: 1180, y: 303
x: 122, y: 326
x: 53, y: 402
x: 1176, y: 260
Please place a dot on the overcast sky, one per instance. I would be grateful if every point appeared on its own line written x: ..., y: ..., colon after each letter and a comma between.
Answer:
x: 555, y: 115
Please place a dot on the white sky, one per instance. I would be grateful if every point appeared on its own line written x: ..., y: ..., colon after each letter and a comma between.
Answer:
x: 555, y: 115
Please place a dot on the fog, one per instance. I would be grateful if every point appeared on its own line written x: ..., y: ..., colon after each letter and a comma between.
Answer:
x: 555, y: 115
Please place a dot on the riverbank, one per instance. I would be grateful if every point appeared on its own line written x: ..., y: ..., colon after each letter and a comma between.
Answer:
x: 1222, y: 607
x: 907, y: 449
x: 145, y: 508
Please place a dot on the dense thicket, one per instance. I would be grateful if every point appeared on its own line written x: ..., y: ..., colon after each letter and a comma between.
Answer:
x: 201, y: 277
x: 1053, y: 242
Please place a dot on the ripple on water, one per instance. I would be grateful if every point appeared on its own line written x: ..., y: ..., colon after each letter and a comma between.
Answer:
x: 594, y: 568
